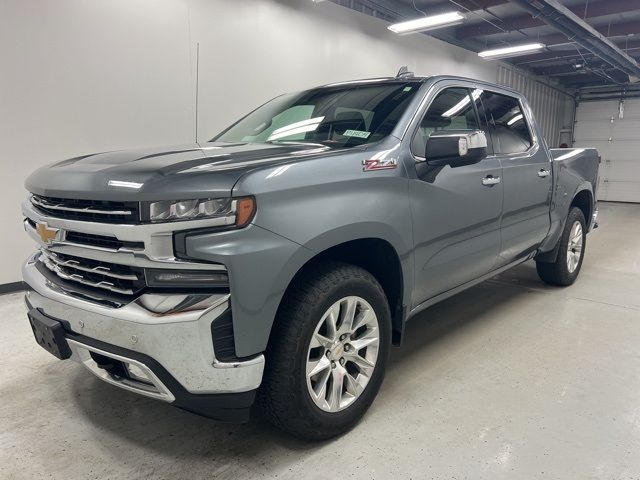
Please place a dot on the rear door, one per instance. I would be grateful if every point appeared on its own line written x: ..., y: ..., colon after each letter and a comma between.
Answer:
x: 526, y: 175
x: 456, y: 218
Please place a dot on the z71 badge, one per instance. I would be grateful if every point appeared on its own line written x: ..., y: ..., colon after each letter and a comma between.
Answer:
x: 376, y: 164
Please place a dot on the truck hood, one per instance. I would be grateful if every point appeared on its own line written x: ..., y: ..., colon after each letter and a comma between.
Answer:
x: 167, y: 173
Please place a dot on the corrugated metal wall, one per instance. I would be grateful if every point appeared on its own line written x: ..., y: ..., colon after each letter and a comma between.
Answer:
x: 552, y: 108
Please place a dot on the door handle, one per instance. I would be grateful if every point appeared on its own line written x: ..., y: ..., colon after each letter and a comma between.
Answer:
x: 544, y: 173
x: 490, y: 180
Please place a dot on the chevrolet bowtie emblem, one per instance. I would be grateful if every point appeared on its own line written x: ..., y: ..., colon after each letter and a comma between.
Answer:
x: 47, y: 234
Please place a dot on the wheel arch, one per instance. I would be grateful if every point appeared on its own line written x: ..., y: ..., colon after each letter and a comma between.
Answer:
x: 375, y: 255
x: 583, y: 199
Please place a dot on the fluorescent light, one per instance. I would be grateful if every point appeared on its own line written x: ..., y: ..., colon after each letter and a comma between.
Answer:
x: 511, y: 51
x: 514, y: 119
x: 427, y: 23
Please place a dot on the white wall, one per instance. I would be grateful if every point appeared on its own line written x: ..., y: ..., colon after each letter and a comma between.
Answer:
x: 82, y: 76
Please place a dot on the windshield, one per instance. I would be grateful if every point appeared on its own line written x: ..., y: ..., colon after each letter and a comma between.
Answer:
x: 337, y: 117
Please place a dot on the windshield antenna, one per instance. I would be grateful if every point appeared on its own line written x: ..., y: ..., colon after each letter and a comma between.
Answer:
x: 197, y: 86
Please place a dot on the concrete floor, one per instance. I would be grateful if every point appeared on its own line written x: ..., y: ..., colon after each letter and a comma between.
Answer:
x: 511, y: 379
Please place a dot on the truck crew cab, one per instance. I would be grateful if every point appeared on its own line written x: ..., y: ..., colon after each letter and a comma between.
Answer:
x: 282, y: 259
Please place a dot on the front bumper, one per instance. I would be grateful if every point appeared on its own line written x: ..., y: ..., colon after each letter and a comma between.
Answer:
x: 174, y: 350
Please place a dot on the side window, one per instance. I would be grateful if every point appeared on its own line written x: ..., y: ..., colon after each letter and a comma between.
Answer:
x: 507, y: 123
x: 452, y: 109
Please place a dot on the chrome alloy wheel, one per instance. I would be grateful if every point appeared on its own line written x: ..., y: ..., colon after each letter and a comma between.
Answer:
x: 342, y: 354
x: 574, y: 248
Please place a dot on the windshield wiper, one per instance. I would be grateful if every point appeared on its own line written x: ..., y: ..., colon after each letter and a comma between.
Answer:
x: 292, y: 142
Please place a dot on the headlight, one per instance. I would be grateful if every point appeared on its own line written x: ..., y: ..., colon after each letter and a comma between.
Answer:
x: 238, y: 211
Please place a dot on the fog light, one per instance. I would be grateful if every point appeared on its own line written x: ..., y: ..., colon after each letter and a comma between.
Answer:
x: 138, y: 374
x: 163, y: 304
x: 186, y: 278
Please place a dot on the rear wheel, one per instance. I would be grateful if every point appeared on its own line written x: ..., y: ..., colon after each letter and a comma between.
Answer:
x: 566, y: 268
x: 328, y: 352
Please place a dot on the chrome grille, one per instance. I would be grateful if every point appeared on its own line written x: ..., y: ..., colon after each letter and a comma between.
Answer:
x: 88, y: 210
x: 120, y: 279
x: 102, y: 241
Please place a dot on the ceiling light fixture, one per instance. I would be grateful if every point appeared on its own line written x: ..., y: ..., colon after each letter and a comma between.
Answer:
x: 511, y: 51
x: 427, y: 23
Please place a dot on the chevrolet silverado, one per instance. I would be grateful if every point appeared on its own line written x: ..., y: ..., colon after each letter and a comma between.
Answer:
x: 279, y: 261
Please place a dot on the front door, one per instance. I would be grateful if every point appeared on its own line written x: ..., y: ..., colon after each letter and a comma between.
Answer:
x: 456, y: 216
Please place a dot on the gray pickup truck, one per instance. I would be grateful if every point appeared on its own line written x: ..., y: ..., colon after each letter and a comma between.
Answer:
x: 281, y: 260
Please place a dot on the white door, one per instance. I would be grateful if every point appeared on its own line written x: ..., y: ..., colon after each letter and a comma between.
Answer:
x: 618, y: 141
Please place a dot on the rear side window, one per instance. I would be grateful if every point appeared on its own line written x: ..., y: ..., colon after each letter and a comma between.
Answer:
x: 452, y: 109
x: 507, y: 123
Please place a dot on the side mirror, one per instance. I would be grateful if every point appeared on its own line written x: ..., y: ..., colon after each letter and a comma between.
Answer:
x: 456, y: 148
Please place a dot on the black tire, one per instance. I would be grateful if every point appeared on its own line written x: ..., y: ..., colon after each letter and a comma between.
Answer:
x: 283, y: 395
x: 558, y: 273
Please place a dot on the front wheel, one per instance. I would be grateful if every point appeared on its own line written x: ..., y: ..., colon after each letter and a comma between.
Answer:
x: 566, y: 268
x: 327, y: 353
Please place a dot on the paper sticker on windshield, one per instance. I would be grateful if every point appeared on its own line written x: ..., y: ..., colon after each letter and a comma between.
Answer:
x: 356, y: 133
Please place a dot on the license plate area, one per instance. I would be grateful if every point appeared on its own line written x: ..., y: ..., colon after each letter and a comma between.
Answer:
x: 49, y: 334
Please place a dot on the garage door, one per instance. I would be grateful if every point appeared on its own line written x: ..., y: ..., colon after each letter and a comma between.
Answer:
x: 618, y: 142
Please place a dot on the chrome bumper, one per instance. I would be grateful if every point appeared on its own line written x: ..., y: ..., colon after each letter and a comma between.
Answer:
x: 181, y: 342
x: 149, y: 385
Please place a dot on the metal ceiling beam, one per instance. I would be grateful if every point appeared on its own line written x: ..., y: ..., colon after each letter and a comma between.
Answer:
x: 531, y: 61
x: 614, y: 30
x: 521, y: 22
x: 406, y: 11
x: 583, y: 80
x: 578, y: 31
x: 564, y: 70
x: 609, y: 92
x: 461, y: 5
x: 572, y: 65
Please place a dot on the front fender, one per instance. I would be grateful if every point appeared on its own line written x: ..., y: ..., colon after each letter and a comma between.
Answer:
x: 319, y: 203
x: 261, y: 265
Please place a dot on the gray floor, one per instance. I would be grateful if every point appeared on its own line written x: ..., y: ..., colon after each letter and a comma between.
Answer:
x: 511, y: 379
